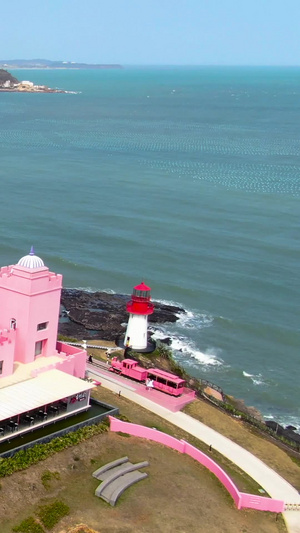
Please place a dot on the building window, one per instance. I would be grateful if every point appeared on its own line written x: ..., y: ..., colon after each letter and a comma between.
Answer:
x: 13, y: 323
x: 1, y: 367
x: 42, y: 325
x: 38, y: 348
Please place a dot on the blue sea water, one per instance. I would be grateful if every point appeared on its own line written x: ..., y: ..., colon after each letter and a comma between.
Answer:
x: 186, y: 178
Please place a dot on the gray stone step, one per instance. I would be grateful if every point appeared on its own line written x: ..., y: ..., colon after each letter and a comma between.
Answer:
x: 114, y: 490
x: 115, y: 470
x: 109, y: 466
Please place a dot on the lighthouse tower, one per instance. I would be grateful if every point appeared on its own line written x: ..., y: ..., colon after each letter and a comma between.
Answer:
x: 139, y: 307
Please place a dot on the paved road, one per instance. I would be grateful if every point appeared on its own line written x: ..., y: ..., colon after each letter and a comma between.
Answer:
x: 273, y: 483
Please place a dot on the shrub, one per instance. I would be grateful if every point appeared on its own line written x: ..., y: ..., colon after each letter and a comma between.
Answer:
x: 122, y: 434
x: 29, y: 525
x: 25, y: 458
x: 47, y: 477
x: 64, y: 338
x: 124, y: 418
x: 51, y: 514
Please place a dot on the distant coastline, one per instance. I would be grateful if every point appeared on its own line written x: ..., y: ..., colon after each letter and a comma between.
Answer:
x: 46, y: 64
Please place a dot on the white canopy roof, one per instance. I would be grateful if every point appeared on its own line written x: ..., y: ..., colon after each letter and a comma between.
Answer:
x: 46, y: 388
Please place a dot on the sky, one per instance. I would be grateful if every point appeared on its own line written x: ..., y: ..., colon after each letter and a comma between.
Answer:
x: 153, y: 32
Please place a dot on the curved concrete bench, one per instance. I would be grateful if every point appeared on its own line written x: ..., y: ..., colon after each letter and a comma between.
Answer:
x: 114, y: 490
x: 115, y: 484
x: 119, y: 470
x: 109, y: 466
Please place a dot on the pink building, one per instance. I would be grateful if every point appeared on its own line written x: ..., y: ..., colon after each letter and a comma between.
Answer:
x: 30, y: 356
x: 29, y: 313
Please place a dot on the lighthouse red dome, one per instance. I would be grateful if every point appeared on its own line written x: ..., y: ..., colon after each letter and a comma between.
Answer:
x: 142, y: 287
x: 140, y: 301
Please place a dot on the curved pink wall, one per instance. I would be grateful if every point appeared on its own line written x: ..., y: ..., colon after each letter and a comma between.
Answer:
x: 241, y: 499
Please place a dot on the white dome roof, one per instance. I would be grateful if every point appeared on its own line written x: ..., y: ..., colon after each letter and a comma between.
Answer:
x: 31, y: 260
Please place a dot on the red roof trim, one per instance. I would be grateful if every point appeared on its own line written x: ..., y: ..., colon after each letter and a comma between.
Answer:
x: 142, y: 287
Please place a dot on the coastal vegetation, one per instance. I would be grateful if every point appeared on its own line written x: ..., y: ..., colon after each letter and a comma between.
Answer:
x: 6, y: 76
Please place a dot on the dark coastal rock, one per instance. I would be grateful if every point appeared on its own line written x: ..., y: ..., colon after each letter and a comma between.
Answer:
x: 275, y: 426
x: 287, y: 433
x: 166, y: 340
x: 87, y: 314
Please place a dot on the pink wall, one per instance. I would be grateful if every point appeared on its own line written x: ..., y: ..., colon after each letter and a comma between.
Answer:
x: 78, y: 356
x: 261, y: 503
x: 147, y: 433
x: 215, y: 469
x: 67, y: 364
x: 7, y: 350
x: 241, y: 499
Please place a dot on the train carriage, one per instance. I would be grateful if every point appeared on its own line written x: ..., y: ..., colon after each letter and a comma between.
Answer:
x: 162, y: 381
x: 166, y: 382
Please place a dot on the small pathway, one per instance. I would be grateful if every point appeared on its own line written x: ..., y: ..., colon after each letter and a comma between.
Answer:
x: 273, y: 483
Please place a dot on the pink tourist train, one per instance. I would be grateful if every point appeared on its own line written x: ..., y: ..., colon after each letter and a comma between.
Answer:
x: 163, y: 381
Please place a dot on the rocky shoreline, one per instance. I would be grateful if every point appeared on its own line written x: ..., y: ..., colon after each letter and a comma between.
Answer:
x: 32, y: 90
x: 9, y: 84
x: 103, y: 315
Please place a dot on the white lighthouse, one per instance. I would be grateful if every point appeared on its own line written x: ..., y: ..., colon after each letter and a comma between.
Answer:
x: 139, y: 307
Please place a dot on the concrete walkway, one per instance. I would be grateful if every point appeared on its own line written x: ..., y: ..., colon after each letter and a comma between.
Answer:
x: 273, y: 483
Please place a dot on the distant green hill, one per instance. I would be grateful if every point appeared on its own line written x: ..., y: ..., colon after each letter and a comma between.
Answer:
x: 6, y: 76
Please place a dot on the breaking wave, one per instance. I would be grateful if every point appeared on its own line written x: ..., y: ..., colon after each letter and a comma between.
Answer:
x: 184, y: 349
x: 257, y: 379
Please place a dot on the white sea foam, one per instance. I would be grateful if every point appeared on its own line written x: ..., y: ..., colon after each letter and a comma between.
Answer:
x: 108, y: 291
x: 169, y: 302
x: 189, y: 319
x: 185, y: 350
x: 209, y: 357
x: 257, y: 379
x: 84, y: 289
x: 92, y: 289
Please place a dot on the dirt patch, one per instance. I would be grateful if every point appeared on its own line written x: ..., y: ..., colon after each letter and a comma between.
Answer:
x: 214, y: 393
x: 178, y: 496
x: 79, y: 528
